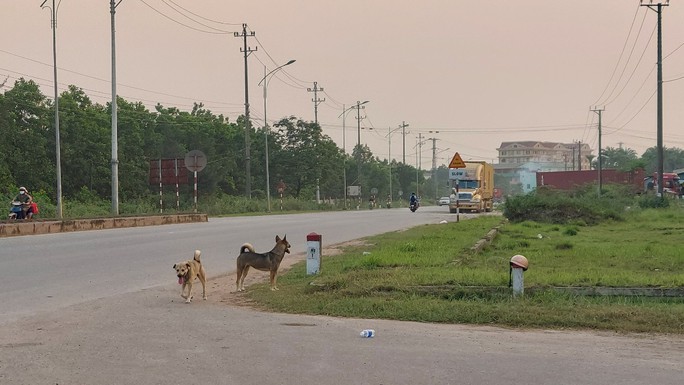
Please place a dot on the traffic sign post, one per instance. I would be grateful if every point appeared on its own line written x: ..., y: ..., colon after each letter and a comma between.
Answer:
x: 281, y: 188
x: 456, y: 162
x: 195, y: 161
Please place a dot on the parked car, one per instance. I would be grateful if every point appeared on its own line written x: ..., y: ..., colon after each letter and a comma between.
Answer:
x: 443, y: 201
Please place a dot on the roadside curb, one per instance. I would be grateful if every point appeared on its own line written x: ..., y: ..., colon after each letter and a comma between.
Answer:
x: 50, y: 227
x: 486, y: 240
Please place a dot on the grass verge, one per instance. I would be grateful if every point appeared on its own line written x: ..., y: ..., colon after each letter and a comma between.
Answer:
x: 429, y: 274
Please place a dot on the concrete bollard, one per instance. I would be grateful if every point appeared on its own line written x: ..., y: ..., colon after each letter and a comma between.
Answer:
x: 518, y: 265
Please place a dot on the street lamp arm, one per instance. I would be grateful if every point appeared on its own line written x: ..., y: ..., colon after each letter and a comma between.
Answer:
x: 276, y: 69
x: 352, y: 107
x: 392, y: 131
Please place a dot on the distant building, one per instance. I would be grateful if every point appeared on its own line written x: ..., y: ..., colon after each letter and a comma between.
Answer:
x: 519, y: 162
x: 551, y: 156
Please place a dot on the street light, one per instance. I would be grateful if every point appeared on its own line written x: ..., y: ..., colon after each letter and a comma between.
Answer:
x: 266, y: 131
x: 58, y: 161
x: 389, y: 156
x: 344, y: 144
x: 419, y: 155
x: 358, y: 108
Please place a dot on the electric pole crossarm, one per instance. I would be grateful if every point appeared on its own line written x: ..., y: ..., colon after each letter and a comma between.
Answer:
x: 316, y: 100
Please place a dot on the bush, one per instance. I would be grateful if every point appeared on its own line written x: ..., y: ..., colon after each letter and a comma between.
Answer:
x: 650, y: 201
x: 560, y: 207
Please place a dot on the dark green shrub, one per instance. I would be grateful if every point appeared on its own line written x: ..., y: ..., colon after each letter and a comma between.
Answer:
x: 564, y: 246
x: 561, y: 207
x: 650, y: 201
x: 570, y: 231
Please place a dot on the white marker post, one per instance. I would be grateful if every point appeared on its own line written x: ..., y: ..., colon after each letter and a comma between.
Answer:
x: 519, y: 265
x: 313, y: 253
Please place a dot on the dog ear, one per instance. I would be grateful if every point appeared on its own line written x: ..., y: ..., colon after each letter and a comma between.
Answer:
x: 277, y: 238
x: 174, y: 265
x: 285, y: 237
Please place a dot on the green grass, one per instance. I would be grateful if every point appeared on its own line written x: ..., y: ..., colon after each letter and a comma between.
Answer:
x: 430, y: 274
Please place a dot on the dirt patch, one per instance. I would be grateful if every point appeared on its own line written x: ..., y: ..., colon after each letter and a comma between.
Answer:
x: 221, y: 289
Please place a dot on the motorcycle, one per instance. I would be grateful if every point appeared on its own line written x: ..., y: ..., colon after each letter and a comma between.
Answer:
x: 414, y: 206
x: 15, y: 210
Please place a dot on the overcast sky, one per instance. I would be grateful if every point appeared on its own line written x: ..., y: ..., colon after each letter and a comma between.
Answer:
x: 478, y: 72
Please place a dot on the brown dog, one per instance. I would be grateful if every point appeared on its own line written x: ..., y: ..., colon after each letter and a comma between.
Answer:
x: 187, y: 271
x: 265, y: 262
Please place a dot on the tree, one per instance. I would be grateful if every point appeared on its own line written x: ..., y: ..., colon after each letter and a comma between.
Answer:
x: 304, y: 158
x: 618, y: 158
x: 28, y: 149
x: 673, y: 158
x: 84, y: 144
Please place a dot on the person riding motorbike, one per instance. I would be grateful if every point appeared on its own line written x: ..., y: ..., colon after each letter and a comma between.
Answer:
x: 25, y: 200
x: 413, y: 202
x: 371, y: 202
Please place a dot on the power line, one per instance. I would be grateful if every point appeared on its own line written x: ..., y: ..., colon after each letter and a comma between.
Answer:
x: 650, y: 38
x: 624, y: 68
x: 202, y: 17
x: 108, y: 81
x: 216, y: 32
x: 620, y: 57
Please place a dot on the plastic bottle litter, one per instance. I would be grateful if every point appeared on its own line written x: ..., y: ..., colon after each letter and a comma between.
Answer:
x: 368, y: 333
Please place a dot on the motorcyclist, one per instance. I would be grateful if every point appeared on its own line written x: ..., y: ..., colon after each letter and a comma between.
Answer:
x: 25, y: 199
x: 413, y: 200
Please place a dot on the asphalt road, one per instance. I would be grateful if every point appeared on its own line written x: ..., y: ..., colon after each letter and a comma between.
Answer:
x: 51, y: 271
x: 102, y: 307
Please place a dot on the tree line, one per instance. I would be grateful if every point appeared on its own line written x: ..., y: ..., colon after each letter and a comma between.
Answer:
x: 301, y: 156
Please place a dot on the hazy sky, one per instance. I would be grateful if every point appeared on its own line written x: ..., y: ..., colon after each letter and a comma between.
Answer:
x: 479, y: 72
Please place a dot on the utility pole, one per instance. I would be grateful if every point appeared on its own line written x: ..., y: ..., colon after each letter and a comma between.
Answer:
x: 600, y: 157
x: 434, y: 164
x: 115, y: 135
x: 658, y: 8
x: 58, y: 158
x: 344, y: 154
x: 403, y: 134
x: 389, y: 156
x: 573, y: 158
x: 316, y: 100
x: 579, y: 155
x: 248, y: 125
x: 417, y: 162
x: 358, y: 108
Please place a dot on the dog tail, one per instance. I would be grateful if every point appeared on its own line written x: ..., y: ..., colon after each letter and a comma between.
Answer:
x: 248, y: 247
x: 197, y: 255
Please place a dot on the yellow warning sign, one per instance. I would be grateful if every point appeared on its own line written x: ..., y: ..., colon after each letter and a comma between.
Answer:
x: 456, y: 162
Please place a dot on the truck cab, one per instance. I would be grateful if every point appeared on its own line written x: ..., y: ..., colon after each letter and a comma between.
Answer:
x: 473, y: 187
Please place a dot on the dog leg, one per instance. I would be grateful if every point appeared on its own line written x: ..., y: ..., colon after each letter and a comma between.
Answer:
x: 203, y: 280
x: 189, y: 297
x: 242, y: 278
x: 237, y: 279
x: 273, y: 280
